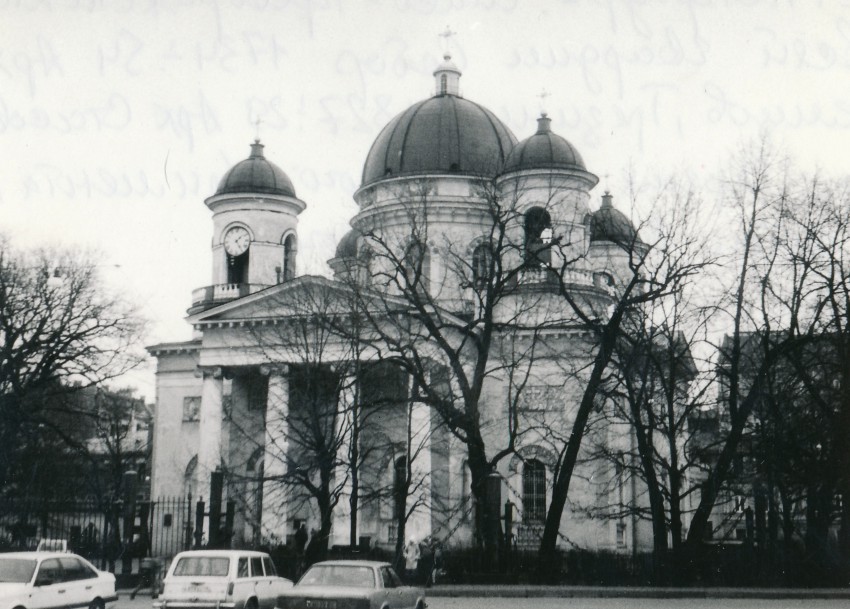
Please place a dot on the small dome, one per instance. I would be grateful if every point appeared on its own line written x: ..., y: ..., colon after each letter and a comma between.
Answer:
x: 544, y: 150
x: 347, y: 246
x: 256, y: 174
x: 610, y: 224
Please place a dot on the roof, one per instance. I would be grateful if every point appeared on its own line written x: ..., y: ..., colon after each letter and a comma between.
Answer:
x: 610, y: 224
x: 544, y: 150
x: 37, y: 555
x: 444, y: 134
x: 222, y: 552
x: 256, y: 175
x: 347, y: 246
x: 353, y: 563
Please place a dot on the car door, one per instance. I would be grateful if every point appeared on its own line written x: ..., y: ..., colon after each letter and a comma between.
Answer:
x: 276, y: 583
x: 262, y: 584
x: 81, y: 583
x: 407, y: 594
x: 393, y: 589
x: 48, y: 587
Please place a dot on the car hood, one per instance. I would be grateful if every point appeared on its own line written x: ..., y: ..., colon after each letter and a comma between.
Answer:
x: 329, y: 591
x: 8, y: 589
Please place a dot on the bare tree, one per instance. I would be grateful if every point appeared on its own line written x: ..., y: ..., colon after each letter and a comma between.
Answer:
x: 645, y: 272
x: 60, y: 330
x: 454, y: 321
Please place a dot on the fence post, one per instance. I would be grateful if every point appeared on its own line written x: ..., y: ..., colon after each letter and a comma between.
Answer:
x: 199, y: 523
x: 216, y: 489
x: 228, y: 524
x: 189, y: 529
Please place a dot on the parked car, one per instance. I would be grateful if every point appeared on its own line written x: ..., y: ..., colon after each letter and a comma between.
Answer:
x: 225, y: 579
x: 351, y: 584
x: 44, y: 580
x: 52, y: 545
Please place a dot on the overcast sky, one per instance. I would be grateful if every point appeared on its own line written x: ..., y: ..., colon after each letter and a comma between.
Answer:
x: 119, y: 117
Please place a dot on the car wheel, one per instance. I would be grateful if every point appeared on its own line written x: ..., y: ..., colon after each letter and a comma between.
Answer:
x: 251, y: 603
x: 97, y: 604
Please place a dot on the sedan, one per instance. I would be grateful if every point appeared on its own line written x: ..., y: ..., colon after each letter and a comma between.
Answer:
x: 47, y: 580
x: 351, y: 584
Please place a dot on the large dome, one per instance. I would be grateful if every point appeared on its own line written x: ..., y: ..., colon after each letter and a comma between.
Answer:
x: 544, y: 150
x: 445, y: 134
x: 256, y: 174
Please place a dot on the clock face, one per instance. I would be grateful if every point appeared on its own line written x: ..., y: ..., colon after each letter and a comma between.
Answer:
x: 236, y: 241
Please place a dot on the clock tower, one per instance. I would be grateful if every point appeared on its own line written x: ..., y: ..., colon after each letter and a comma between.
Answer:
x: 255, y: 238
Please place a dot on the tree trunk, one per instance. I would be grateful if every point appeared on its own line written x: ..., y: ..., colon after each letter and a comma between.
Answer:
x: 548, y: 560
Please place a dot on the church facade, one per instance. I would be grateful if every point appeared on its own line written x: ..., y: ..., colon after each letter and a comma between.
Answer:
x: 230, y: 399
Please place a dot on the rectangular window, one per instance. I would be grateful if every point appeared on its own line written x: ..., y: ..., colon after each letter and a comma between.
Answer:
x: 256, y: 566
x: 621, y: 534
x: 191, y: 409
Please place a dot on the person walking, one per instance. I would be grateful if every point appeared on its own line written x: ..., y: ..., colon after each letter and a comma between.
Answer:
x: 149, y: 577
x: 411, y: 560
x: 300, y: 546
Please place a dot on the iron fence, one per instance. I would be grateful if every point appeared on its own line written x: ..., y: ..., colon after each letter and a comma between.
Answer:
x: 113, y: 535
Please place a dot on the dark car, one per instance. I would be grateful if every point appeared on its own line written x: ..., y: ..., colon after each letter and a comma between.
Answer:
x: 351, y: 584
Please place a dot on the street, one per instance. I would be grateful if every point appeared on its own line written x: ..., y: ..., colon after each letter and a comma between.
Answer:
x: 144, y: 602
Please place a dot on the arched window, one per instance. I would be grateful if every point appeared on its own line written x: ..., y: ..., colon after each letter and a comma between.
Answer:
x: 417, y: 267
x: 237, y: 268
x: 466, y: 492
x: 289, y: 251
x: 533, y: 491
x: 444, y: 84
x: 189, y: 479
x: 538, y: 237
x: 482, y: 259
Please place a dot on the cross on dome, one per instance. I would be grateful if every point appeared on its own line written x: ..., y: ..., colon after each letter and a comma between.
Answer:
x: 543, y: 95
x: 446, y: 35
x: 447, y: 74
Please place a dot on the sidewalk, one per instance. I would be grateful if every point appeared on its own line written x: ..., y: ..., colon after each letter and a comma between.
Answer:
x: 521, y: 591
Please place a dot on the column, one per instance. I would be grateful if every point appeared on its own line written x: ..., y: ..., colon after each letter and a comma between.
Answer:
x: 419, y: 524
x: 209, y: 427
x: 341, y: 532
x: 275, y: 522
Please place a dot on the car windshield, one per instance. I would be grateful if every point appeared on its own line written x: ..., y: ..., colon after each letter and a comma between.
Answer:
x: 338, y: 575
x: 213, y: 566
x: 16, y: 570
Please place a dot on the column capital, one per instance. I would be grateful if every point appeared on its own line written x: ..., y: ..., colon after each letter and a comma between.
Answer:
x: 217, y: 372
x: 274, y: 369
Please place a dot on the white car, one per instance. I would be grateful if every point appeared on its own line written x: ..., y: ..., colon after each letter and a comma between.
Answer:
x: 44, y: 580
x: 221, y: 579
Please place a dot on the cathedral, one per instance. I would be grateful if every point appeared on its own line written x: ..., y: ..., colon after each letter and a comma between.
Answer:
x: 229, y: 399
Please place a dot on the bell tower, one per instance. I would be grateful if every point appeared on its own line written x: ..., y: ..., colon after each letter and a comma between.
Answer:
x: 255, y: 231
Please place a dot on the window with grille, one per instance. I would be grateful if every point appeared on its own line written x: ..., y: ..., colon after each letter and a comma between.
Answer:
x: 534, y: 491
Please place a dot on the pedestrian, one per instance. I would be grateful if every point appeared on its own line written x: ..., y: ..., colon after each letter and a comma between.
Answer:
x: 149, y: 569
x: 311, y: 551
x: 438, y: 562
x: 300, y: 545
x: 411, y: 560
x: 426, y: 562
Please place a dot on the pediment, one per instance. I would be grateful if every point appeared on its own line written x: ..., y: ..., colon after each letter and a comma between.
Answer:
x: 303, y: 296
